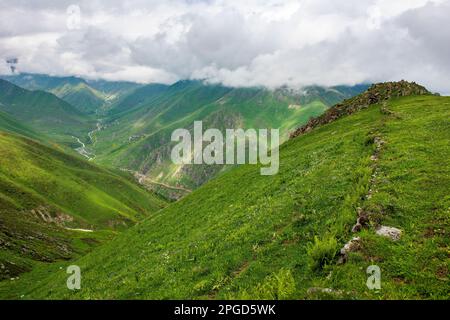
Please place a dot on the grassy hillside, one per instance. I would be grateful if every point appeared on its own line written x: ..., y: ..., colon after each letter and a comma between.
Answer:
x: 9, y: 124
x: 83, y: 97
x: 44, y: 112
x: 44, y: 191
x: 243, y: 235
x: 137, y: 98
x: 117, y: 88
x: 136, y: 135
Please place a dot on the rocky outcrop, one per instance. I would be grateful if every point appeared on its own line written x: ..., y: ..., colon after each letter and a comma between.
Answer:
x: 44, y: 213
x: 377, y: 93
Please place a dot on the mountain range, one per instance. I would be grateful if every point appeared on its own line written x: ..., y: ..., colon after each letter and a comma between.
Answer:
x: 87, y: 96
x: 133, y: 131
x: 364, y: 179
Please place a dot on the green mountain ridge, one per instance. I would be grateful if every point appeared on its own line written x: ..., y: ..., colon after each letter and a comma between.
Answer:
x: 136, y: 133
x: 377, y: 93
x: 88, y: 96
x: 44, y: 112
x: 85, y: 98
x: 11, y: 125
x: 247, y: 236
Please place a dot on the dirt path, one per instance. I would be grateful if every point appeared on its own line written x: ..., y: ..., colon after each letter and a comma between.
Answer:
x: 80, y: 230
x: 143, y: 178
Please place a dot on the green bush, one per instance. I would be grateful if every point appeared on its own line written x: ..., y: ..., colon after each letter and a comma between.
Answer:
x: 322, y: 252
x: 278, y: 286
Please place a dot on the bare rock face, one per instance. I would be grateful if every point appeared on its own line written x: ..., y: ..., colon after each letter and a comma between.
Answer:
x: 393, y: 233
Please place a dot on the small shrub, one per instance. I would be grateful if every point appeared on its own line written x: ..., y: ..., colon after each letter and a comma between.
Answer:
x: 322, y: 252
x: 202, y: 287
x: 278, y: 286
x: 299, y: 220
x: 370, y: 140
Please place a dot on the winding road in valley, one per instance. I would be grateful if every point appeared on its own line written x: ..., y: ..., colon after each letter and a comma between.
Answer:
x: 83, y: 150
x: 91, y: 133
x: 141, y: 178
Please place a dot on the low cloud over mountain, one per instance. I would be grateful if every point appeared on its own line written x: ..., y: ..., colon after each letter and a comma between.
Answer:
x: 269, y: 43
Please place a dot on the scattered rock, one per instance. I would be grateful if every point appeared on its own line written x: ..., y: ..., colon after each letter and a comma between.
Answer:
x: 61, y: 218
x: 379, y: 142
x: 384, y: 110
x: 362, y: 221
x: 357, y: 228
x: 134, y: 138
x: 316, y: 290
x: 351, y: 246
x: 390, y: 232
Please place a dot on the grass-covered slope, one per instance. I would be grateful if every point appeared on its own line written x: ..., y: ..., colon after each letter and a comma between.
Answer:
x: 377, y: 93
x: 43, y: 191
x: 82, y: 96
x: 137, y: 98
x: 44, y: 112
x: 9, y: 124
x: 92, y: 195
x: 137, y: 133
x: 243, y: 235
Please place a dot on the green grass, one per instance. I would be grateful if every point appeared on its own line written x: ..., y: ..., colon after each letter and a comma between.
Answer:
x: 80, y: 188
x: 243, y: 235
x: 9, y: 124
x: 36, y: 180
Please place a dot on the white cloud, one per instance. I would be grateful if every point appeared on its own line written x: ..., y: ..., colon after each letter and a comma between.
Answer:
x: 269, y: 43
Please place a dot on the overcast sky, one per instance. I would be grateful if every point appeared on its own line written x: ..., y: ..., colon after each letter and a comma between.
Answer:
x: 265, y: 42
